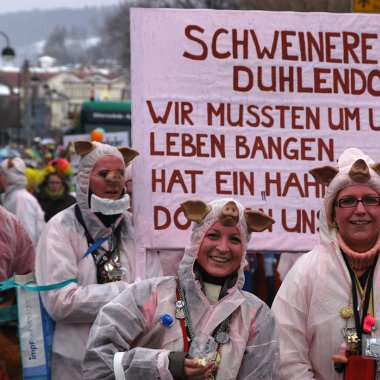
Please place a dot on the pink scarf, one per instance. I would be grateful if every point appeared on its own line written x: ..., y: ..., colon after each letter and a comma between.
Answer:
x: 359, y: 262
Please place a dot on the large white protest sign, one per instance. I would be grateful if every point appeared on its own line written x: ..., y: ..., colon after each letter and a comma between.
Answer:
x: 243, y: 104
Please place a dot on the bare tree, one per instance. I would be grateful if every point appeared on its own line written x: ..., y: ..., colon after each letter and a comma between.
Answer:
x: 116, y: 33
x: 55, y: 45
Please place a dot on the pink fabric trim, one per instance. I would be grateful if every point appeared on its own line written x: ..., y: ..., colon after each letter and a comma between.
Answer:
x: 359, y: 262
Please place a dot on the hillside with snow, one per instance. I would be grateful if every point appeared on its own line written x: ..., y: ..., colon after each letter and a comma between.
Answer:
x: 28, y: 31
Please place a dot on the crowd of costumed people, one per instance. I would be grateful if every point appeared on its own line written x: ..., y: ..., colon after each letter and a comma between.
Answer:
x: 44, y: 158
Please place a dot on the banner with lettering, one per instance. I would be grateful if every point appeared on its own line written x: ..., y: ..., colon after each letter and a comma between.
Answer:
x: 243, y: 104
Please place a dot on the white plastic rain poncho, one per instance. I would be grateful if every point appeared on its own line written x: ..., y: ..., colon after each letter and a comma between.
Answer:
x: 17, y: 254
x: 17, y: 200
x: 131, y: 322
x: 60, y: 257
x: 16, y: 247
x: 318, y: 285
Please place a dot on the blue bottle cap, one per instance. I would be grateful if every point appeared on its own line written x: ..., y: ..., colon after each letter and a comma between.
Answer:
x: 167, y: 320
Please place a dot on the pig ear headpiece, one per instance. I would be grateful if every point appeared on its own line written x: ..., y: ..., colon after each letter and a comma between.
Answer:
x: 376, y: 167
x: 83, y: 147
x: 257, y: 221
x: 195, y: 210
x: 324, y: 175
x: 353, y: 163
x: 128, y: 154
x: 359, y: 172
x: 354, y: 167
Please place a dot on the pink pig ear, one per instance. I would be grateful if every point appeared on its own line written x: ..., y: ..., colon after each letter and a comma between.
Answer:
x: 128, y: 154
x: 324, y: 175
x: 195, y: 209
x: 83, y: 147
x: 257, y: 221
x: 376, y: 167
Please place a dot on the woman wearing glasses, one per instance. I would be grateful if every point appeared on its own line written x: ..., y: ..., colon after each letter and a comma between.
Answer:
x: 328, y: 306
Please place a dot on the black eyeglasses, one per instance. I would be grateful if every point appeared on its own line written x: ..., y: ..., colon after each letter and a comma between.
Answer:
x: 348, y: 202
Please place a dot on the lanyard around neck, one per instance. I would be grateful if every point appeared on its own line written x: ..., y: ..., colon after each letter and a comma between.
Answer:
x: 184, y: 326
x: 356, y: 286
x: 361, y: 293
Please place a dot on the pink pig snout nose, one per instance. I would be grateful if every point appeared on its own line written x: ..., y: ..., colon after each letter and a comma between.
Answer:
x: 114, y: 176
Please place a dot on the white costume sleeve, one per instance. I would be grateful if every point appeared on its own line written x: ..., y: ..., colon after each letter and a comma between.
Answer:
x: 118, y: 325
x: 261, y: 356
x: 290, y: 308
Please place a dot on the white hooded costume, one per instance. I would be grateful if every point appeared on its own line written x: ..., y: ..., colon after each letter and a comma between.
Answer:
x: 308, y: 302
x: 131, y: 322
x: 60, y: 257
x: 17, y: 200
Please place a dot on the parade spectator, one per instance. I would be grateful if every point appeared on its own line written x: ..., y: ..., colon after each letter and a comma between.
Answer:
x: 145, y: 332
x: 54, y: 195
x: 17, y: 199
x: 328, y: 304
x: 16, y: 256
x: 93, y: 242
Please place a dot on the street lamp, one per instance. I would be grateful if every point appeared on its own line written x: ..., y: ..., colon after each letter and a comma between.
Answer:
x: 7, y: 53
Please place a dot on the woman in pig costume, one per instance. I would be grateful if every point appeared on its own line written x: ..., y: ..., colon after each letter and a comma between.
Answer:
x: 145, y: 333
x: 93, y: 243
x: 328, y: 305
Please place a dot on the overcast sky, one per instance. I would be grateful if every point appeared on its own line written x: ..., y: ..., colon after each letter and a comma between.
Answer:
x: 23, y: 5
